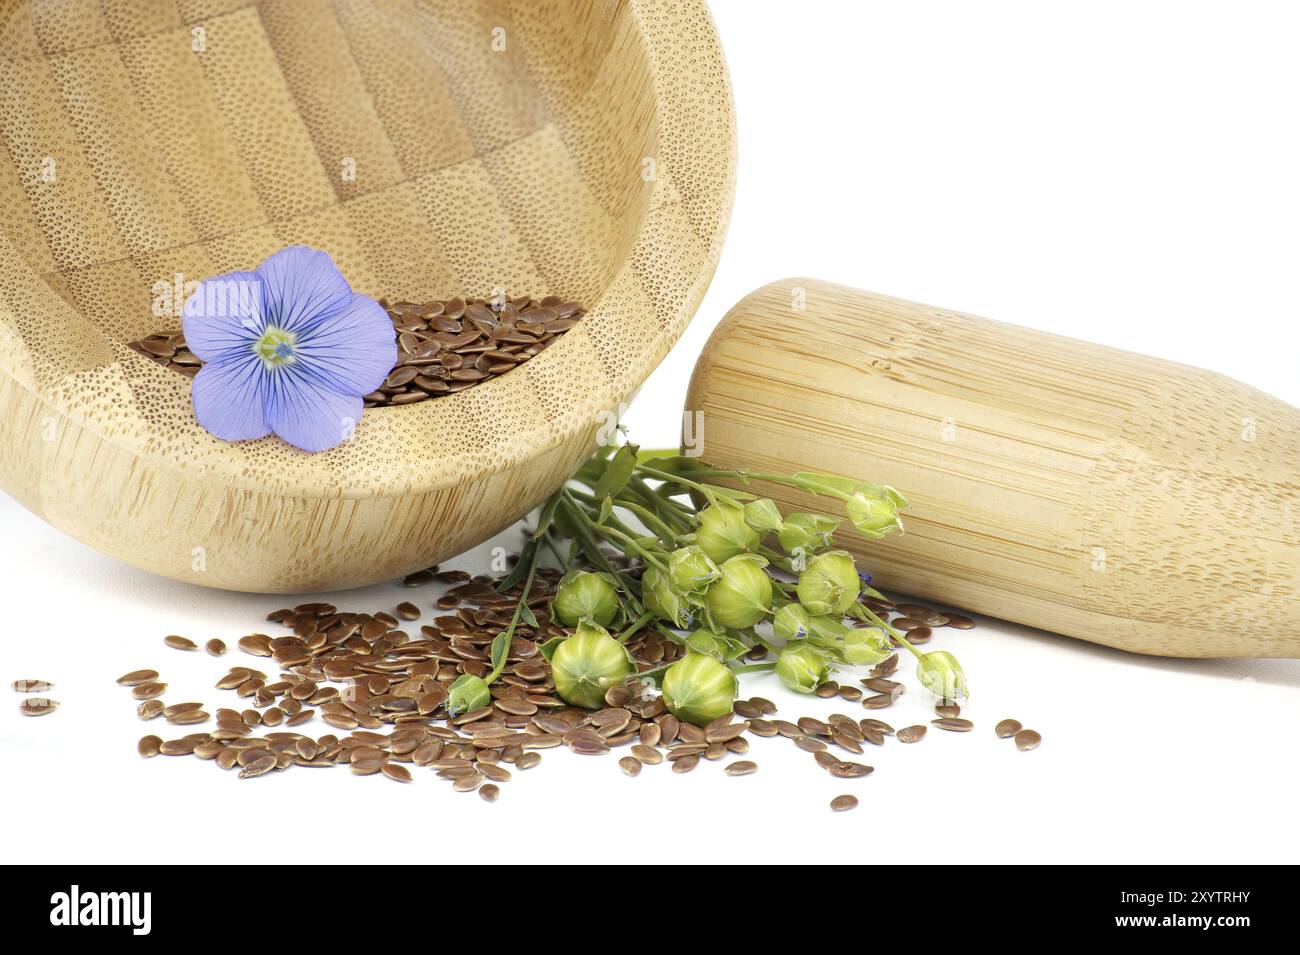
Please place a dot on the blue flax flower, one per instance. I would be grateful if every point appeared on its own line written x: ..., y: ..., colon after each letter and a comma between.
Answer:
x: 288, y: 348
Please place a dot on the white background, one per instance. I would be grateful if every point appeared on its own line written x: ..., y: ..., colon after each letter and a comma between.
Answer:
x: 1120, y: 172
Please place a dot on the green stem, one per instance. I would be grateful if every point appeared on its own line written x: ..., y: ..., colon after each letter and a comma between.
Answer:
x: 636, y: 625
x: 658, y: 475
x: 665, y: 494
x: 590, y: 546
x: 594, y: 505
x: 867, y: 616
x: 628, y: 541
x: 549, y: 540
x: 777, y: 559
x: 503, y: 640
x: 668, y: 632
x: 754, y: 668
x: 681, y: 518
x: 746, y: 476
x: 651, y: 520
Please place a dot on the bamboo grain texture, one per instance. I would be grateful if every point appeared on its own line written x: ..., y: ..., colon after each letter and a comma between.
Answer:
x: 1104, y: 495
x: 434, y: 148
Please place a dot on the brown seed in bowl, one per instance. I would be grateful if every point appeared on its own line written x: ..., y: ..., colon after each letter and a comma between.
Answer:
x: 443, y: 347
x: 180, y: 643
x: 38, y: 706
x: 844, y: 803
x: 489, y: 792
x: 215, y: 647
x: 147, y: 691
x: 149, y: 746
x: 741, y: 767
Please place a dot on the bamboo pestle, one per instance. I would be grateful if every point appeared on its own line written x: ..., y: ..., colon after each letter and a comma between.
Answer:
x: 1109, y: 496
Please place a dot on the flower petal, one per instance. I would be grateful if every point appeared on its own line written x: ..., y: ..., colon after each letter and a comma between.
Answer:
x: 224, y: 314
x: 302, y: 285
x: 306, y: 412
x: 229, y: 395
x: 351, y: 351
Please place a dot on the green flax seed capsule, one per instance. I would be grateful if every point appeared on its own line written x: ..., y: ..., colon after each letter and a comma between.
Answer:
x: 691, y: 570
x: 865, y: 646
x: 723, y: 532
x: 586, y: 593
x: 873, y: 509
x: 467, y: 693
x: 698, y: 689
x: 763, y: 515
x: 829, y: 584
x: 805, y: 534
x: 587, y: 664
x: 941, y: 674
x: 802, y: 667
x: 742, y: 596
x: 662, y: 598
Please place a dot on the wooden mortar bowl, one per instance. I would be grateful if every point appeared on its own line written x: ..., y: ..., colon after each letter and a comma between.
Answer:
x: 434, y: 149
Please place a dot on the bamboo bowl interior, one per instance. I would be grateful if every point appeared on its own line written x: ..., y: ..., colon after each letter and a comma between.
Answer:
x: 433, y: 147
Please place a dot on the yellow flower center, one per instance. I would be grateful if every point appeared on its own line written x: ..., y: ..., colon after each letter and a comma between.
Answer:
x: 275, y: 347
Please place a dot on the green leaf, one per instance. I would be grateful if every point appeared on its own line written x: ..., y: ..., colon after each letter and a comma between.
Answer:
x: 731, y: 493
x: 520, y: 570
x: 527, y: 616
x: 735, y: 649
x: 701, y: 641
x: 547, y: 515
x: 619, y: 472
x: 606, y: 511
x: 550, y: 646
x: 500, y: 648
x: 841, y: 484
x: 670, y: 462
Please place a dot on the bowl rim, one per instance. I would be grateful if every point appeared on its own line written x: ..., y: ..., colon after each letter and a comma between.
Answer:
x: 682, y: 49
